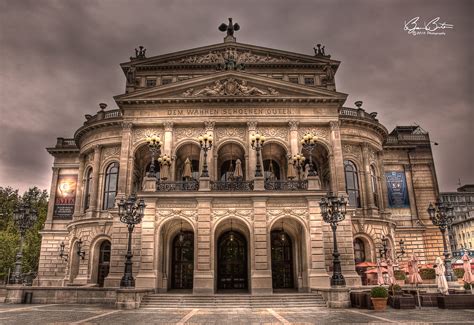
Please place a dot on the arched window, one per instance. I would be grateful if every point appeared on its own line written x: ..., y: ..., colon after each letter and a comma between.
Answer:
x: 110, y: 188
x: 88, y: 189
x: 359, y: 251
x: 271, y: 170
x: 104, y: 262
x: 373, y: 182
x: 352, y: 183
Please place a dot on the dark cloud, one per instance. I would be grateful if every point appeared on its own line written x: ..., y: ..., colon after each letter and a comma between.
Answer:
x: 60, y: 58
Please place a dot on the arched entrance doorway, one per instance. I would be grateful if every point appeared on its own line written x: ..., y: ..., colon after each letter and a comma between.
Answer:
x: 282, y: 260
x: 104, y: 262
x: 182, y: 264
x: 232, y: 261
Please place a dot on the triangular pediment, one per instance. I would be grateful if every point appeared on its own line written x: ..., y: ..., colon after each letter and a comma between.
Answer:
x: 244, y: 54
x: 232, y: 84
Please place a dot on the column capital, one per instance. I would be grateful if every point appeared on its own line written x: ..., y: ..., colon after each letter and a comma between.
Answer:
x: 209, y: 126
x: 334, y: 125
x: 293, y: 125
x: 127, y: 126
x: 252, y: 126
x: 168, y: 126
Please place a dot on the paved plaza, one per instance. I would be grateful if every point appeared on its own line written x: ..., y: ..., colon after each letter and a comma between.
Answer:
x: 96, y: 314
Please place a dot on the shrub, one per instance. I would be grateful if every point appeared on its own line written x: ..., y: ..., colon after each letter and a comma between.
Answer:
x: 400, y: 275
x: 428, y: 274
x: 459, y: 273
x: 395, y: 289
x: 379, y: 292
x: 467, y: 286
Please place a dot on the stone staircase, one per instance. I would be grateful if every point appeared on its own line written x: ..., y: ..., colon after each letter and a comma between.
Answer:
x: 295, y: 300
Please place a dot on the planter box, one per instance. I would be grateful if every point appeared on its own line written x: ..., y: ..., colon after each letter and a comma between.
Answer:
x: 360, y: 300
x: 429, y: 300
x: 456, y: 301
x: 402, y: 301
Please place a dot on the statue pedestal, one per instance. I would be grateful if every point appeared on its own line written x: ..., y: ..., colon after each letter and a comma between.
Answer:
x: 149, y: 184
x: 314, y: 183
x: 259, y: 183
x: 204, y: 184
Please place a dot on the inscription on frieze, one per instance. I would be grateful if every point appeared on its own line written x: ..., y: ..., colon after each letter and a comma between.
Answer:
x: 233, y: 112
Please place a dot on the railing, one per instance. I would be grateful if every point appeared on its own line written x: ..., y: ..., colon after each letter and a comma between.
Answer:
x: 348, y: 111
x: 286, y: 185
x: 112, y: 114
x: 182, y: 186
x: 407, y: 137
x: 238, y: 186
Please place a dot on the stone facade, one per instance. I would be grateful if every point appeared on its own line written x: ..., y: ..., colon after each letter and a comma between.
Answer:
x: 279, y: 94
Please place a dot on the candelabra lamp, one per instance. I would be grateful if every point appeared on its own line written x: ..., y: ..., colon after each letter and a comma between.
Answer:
x: 131, y: 213
x: 333, y: 210
x: 257, y: 140
x: 80, y: 252
x: 298, y: 162
x: 205, y: 141
x: 309, y: 143
x: 442, y: 216
x: 62, y: 255
x: 24, y: 217
x: 154, y: 144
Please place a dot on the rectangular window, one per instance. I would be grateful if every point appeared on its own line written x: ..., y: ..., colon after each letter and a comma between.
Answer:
x: 166, y: 81
x: 309, y: 81
x: 151, y: 82
x: 294, y: 80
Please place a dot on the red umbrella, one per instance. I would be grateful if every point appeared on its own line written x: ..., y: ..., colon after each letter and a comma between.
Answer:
x: 366, y: 264
x: 371, y: 271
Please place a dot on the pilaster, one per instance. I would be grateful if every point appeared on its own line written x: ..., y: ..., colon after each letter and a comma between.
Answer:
x: 252, y: 156
x: 95, y: 179
x: 48, y: 225
x: 124, y: 170
x: 293, y: 125
x: 203, y: 273
x: 261, y: 275
x: 147, y: 275
x: 339, y: 183
x: 369, y: 197
x: 79, y: 187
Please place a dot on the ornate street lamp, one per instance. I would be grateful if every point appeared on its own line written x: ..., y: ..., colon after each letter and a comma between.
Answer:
x: 62, y: 255
x: 205, y: 141
x: 333, y: 210
x: 154, y: 144
x: 309, y: 143
x: 24, y: 217
x: 131, y: 213
x: 298, y: 162
x: 442, y: 215
x: 257, y: 141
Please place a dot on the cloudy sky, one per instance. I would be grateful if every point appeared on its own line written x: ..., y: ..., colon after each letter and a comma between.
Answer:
x: 59, y: 59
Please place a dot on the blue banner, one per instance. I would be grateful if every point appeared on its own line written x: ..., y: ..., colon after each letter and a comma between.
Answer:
x: 397, y: 190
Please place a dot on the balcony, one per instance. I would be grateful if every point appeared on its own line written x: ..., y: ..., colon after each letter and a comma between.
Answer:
x: 232, y: 186
x: 182, y: 186
x: 288, y: 185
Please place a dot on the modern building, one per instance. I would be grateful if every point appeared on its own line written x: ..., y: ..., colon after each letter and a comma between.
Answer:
x: 461, y: 233
x: 234, y: 230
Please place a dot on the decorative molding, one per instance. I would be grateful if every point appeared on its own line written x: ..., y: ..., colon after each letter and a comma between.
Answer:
x: 293, y: 125
x: 220, y: 57
x: 322, y: 133
x: 301, y: 213
x: 127, y: 126
x: 334, y: 125
x: 274, y: 132
x: 229, y: 87
x: 108, y: 152
x: 230, y: 132
x: 351, y: 149
x: 252, y: 126
x: 232, y: 212
x: 139, y: 134
x: 209, y: 126
x: 176, y: 213
x: 187, y: 133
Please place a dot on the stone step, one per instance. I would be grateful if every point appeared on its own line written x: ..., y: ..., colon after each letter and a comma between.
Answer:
x: 232, y: 301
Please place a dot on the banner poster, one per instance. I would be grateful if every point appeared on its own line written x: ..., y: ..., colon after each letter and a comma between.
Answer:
x: 65, y: 197
x: 397, y: 190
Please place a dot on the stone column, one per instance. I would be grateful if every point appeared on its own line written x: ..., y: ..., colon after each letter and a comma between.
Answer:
x: 95, y: 180
x: 124, y: 169
x: 252, y: 156
x: 383, y: 201
x: 369, y: 197
x: 211, y: 164
x: 294, y: 144
x: 79, y: 187
x: 261, y: 273
x: 48, y: 225
x: 338, y: 175
x: 318, y: 276
x: 168, y: 146
x: 147, y: 275
x: 203, y: 272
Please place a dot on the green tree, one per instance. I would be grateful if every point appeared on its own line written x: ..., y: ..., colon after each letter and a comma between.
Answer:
x: 9, y: 234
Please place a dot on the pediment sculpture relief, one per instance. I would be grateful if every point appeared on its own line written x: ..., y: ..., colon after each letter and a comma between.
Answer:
x: 239, y: 57
x: 230, y: 87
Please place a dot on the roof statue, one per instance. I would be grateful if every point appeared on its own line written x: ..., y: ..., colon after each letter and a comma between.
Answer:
x: 319, y: 51
x: 139, y: 53
x: 230, y: 28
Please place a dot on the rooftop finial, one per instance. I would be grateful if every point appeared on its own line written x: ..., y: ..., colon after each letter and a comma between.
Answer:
x: 229, y: 28
x: 139, y: 53
x: 320, y: 51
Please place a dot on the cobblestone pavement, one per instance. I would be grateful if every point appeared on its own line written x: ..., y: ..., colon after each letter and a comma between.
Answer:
x: 95, y: 314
